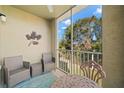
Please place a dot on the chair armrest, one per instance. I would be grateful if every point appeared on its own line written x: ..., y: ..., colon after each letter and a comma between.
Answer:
x: 26, y: 64
x: 53, y: 59
x: 5, y: 75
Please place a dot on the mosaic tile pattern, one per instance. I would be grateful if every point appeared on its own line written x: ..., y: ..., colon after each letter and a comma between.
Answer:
x: 42, y: 81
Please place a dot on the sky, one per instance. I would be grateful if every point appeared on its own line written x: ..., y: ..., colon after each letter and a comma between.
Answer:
x: 86, y: 12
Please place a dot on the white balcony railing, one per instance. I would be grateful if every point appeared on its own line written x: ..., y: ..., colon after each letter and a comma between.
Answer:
x: 69, y: 61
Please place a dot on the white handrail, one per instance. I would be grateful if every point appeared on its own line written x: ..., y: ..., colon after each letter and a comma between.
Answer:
x: 66, y: 64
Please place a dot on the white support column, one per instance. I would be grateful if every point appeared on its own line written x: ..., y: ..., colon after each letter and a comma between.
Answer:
x: 56, y: 44
x: 72, y: 41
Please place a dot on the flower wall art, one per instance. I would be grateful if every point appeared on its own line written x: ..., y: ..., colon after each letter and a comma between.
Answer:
x: 33, y: 38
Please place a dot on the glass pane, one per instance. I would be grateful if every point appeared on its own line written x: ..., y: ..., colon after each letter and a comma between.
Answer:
x: 64, y: 31
x: 87, y: 28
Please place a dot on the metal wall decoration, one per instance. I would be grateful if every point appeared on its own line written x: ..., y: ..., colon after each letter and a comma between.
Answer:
x: 33, y: 37
x: 3, y: 17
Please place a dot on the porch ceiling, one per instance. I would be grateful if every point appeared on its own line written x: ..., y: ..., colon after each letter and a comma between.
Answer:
x: 42, y: 10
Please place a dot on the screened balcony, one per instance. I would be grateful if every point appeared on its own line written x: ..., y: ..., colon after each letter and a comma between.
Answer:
x: 74, y: 37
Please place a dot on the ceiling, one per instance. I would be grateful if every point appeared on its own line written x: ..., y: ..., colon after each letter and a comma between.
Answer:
x: 43, y: 11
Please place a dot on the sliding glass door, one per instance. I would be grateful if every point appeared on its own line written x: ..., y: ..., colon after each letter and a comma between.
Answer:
x: 79, y: 35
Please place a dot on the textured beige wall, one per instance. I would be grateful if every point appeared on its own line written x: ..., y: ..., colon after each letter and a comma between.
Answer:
x: 0, y: 39
x: 113, y: 45
x: 53, y: 29
x: 12, y: 35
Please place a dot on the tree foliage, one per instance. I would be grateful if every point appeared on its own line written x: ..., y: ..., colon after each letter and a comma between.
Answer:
x: 86, y: 31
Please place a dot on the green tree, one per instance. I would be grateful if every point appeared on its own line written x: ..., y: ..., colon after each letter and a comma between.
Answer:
x: 83, y: 29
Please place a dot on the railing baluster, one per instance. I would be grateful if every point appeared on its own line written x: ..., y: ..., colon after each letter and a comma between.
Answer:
x: 84, y: 58
x: 67, y: 61
x: 73, y: 67
x: 71, y: 61
x: 74, y: 63
x: 79, y: 63
x: 88, y: 57
x: 62, y: 61
x: 92, y: 56
x: 58, y: 60
x: 97, y: 58
x: 66, y: 64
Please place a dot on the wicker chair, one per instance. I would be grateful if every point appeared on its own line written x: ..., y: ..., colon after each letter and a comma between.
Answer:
x: 48, y: 62
x: 93, y: 71
x: 15, y: 70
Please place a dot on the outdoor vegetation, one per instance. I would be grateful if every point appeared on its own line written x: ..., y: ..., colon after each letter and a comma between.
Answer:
x: 87, y: 35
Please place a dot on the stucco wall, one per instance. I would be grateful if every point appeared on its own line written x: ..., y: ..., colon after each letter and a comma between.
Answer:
x: 53, y: 29
x: 113, y: 45
x: 12, y: 35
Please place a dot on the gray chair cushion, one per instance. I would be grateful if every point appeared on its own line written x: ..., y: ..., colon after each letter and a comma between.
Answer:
x: 49, y: 67
x: 36, y: 69
x: 13, y: 63
x: 16, y: 71
x: 19, y: 76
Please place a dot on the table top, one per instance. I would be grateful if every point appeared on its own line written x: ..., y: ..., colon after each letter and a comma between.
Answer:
x: 74, y: 81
